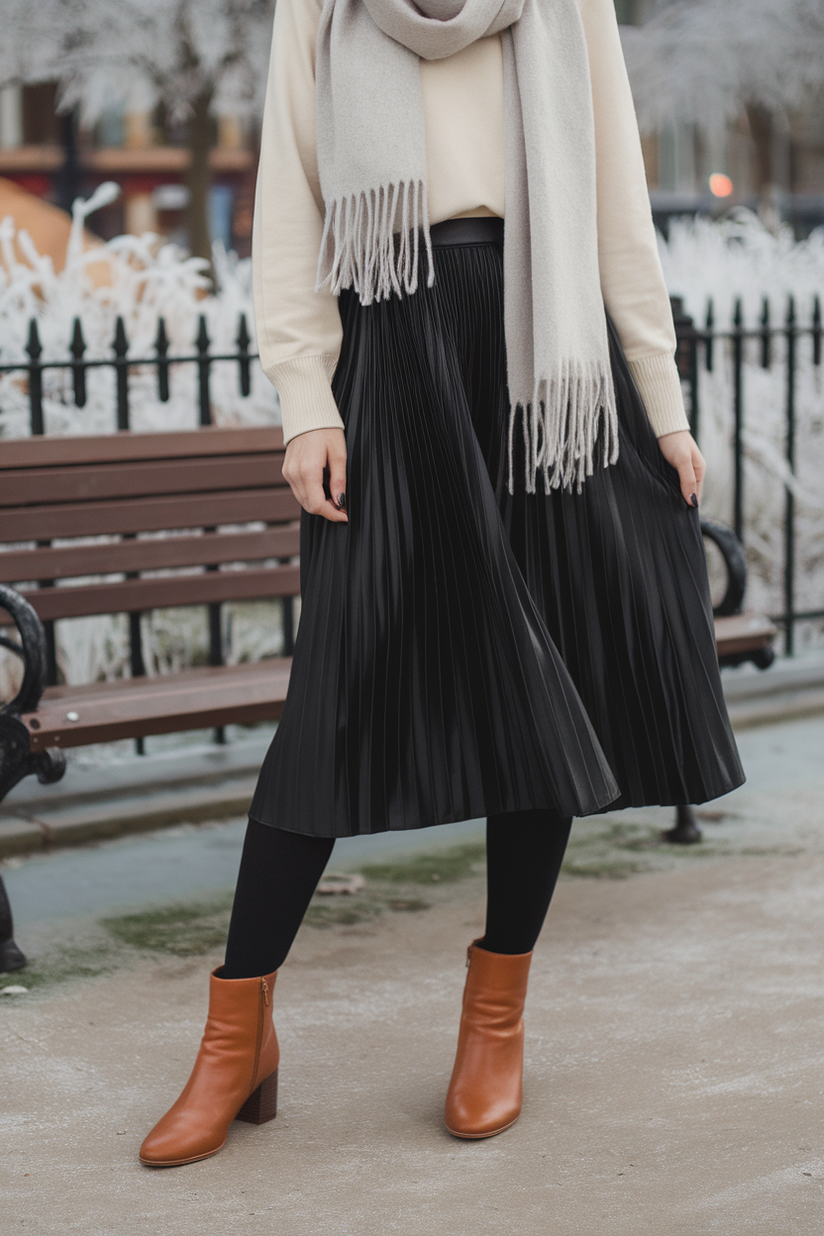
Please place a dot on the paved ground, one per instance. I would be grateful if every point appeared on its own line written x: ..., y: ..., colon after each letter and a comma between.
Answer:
x: 674, y: 1078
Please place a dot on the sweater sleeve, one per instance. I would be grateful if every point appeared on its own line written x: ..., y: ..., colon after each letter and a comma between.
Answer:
x: 298, y: 330
x: 632, y: 281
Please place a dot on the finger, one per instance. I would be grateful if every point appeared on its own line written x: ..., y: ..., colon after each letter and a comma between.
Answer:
x: 310, y: 492
x: 313, y: 499
x: 337, y: 481
x: 689, y: 481
x: 333, y: 513
x: 700, y: 467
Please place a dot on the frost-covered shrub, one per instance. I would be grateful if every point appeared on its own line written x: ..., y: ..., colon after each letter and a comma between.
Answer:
x: 139, y: 279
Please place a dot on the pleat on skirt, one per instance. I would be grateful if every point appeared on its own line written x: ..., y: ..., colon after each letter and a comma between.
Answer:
x: 464, y: 651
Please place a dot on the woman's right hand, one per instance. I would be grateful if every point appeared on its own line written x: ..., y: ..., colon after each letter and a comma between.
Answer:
x: 307, y: 458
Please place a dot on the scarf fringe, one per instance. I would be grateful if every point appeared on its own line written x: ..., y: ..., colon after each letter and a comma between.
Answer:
x: 569, y: 428
x: 371, y: 242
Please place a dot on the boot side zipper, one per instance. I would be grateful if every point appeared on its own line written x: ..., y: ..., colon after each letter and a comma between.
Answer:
x: 264, y: 991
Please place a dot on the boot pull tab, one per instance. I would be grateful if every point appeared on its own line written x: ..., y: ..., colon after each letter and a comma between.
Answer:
x: 265, y: 989
x: 469, y: 954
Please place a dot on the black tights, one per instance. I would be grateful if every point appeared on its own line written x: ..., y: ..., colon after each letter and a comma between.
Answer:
x: 280, y: 870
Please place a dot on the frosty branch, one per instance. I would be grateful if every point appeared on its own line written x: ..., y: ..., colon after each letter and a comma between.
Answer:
x: 200, y: 60
x: 707, y: 62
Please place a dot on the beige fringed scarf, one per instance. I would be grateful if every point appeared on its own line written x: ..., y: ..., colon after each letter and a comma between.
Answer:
x: 372, y: 164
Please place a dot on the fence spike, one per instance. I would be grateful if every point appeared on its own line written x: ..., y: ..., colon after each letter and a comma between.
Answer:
x: 34, y: 349
x: 77, y: 347
x: 817, y: 330
x: 78, y: 344
x: 766, y: 336
x: 121, y: 348
x: 121, y: 342
x: 709, y: 329
x: 202, y: 340
x: 162, y: 352
x: 33, y: 345
x: 790, y: 312
x: 203, y: 368
x: 243, y: 340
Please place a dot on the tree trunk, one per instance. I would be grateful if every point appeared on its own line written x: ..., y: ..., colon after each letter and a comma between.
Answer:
x: 200, y: 177
x: 761, y: 124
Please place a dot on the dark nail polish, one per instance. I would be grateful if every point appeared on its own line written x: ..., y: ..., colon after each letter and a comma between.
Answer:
x: 694, y: 501
x: 341, y: 504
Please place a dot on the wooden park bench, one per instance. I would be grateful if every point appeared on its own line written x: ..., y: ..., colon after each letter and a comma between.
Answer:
x: 234, y: 535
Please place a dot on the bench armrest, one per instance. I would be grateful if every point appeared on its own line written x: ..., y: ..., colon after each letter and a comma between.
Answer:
x: 732, y: 551
x: 31, y: 650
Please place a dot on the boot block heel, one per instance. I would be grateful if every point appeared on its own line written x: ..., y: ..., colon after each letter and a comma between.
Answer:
x: 262, y: 1104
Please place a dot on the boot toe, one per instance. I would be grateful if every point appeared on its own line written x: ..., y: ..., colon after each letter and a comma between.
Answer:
x: 169, y: 1145
x: 466, y: 1120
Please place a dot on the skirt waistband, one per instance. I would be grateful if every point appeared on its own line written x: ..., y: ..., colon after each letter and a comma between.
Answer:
x: 478, y: 230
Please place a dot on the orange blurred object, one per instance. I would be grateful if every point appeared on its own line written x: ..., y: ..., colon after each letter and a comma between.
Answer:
x: 49, y: 228
x: 720, y: 185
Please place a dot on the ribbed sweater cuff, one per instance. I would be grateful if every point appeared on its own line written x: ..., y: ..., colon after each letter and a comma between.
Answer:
x: 660, y: 388
x: 305, y: 392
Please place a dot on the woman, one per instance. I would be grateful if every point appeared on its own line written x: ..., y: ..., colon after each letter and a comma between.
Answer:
x: 505, y: 603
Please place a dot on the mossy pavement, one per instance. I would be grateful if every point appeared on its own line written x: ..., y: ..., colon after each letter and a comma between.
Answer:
x: 601, y: 847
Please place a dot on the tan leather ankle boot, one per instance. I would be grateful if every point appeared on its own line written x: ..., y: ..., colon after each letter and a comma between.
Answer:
x: 485, y: 1092
x: 235, y: 1075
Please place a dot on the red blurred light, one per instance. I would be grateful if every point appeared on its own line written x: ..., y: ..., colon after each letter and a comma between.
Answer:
x: 720, y: 185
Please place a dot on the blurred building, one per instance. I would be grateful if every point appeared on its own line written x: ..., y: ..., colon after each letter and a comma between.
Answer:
x: 48, y: 155
x: 687, y: 172
x: 690, y: 173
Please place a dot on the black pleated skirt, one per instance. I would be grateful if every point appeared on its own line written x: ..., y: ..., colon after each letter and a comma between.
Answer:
x: 464, y: 651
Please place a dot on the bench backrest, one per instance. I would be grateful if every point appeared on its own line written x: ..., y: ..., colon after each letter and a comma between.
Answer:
x: 202, y: 486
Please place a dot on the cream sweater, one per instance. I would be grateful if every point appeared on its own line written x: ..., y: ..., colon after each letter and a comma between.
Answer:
x: 299, y: 330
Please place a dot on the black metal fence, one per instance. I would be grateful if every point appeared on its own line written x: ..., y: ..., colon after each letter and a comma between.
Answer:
x: 122, y: 364
x: 699, y: 347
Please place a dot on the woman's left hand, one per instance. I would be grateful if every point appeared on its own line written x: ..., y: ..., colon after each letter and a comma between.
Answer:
x: 681, y: 450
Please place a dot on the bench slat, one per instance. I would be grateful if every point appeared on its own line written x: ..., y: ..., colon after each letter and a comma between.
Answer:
x: 40, y: 452
x: 124, y: 687
x: 135, y: 595
x: 194, y: 699
x: 41, y: 523
x: 198, y: 699
x: 745, y: 632
x: 69, y: 561
x: 93, y: 482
